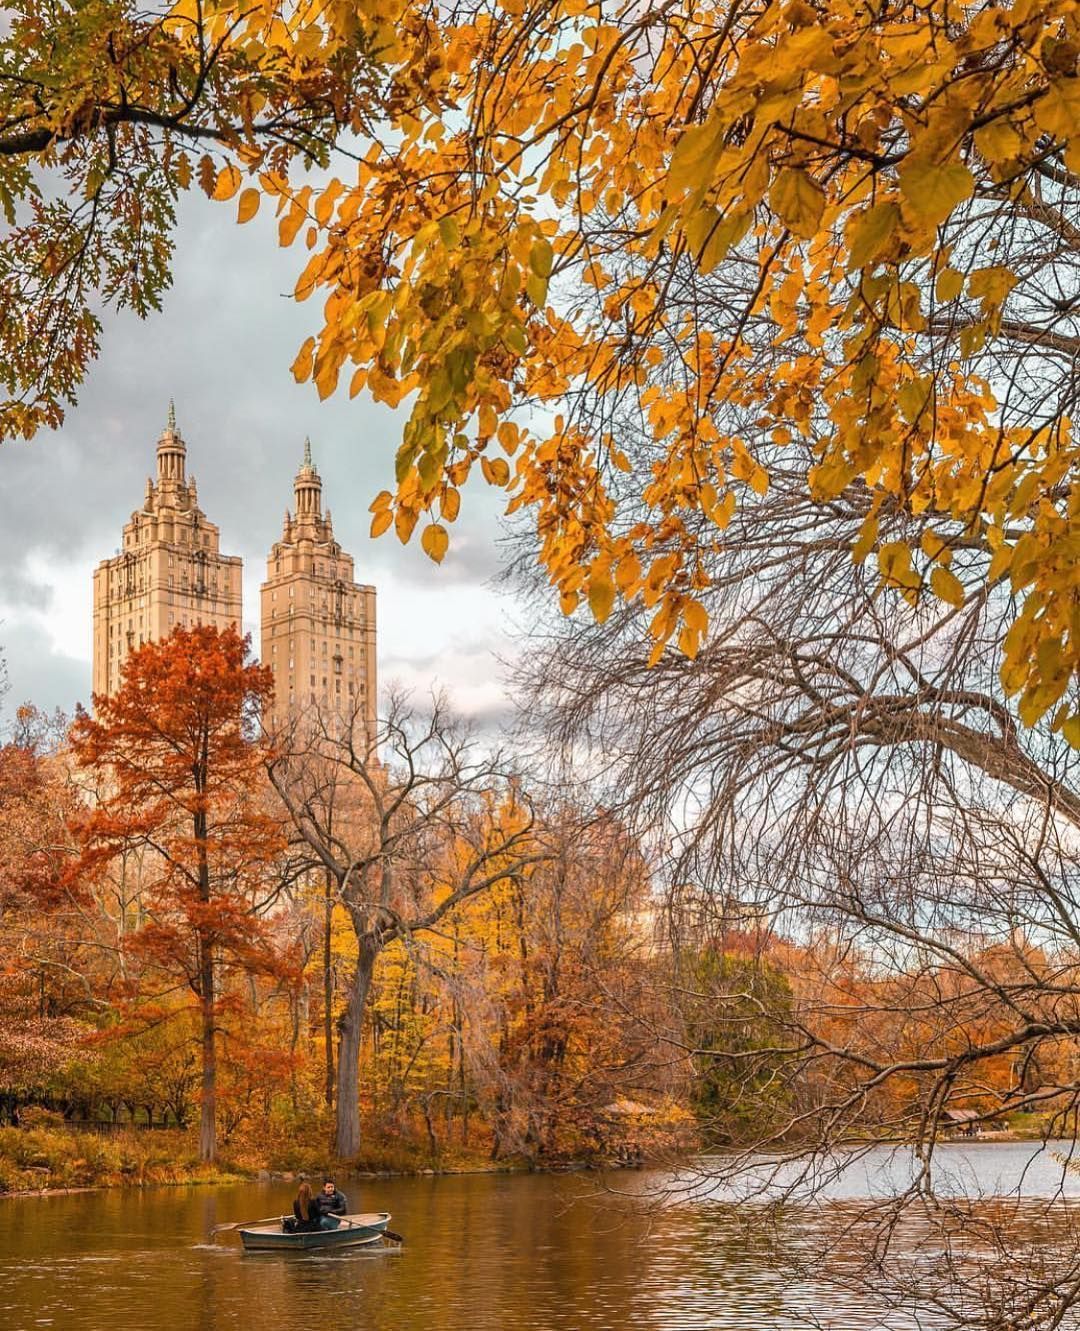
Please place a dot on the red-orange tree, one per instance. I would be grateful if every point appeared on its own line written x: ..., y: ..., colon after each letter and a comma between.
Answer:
x: 182, y: 780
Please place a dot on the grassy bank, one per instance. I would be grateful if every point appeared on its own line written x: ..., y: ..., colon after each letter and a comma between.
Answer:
x: 34, y: 1160
x: 37, y: 1159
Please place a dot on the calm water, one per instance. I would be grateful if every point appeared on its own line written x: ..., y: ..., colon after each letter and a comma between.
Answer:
x: 483, y: 1253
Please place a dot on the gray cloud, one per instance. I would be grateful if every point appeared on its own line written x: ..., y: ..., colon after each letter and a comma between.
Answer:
x: 36, y: 673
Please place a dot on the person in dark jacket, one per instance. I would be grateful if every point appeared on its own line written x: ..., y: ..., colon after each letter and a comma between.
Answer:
x: 306, y: 1211
x: 332, y: 1205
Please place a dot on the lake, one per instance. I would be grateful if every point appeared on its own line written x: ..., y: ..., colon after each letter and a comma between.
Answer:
x: 483, y: 1253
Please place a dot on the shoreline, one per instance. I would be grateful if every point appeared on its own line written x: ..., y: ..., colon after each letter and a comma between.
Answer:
x: 264, y: 1177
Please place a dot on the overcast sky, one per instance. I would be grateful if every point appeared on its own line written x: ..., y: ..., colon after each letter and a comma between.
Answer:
x: 222, y: 348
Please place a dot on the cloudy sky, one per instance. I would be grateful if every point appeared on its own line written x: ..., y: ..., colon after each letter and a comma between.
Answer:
x: 222, y: 348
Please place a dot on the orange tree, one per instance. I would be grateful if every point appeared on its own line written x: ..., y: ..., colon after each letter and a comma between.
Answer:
x: 181, y: 779
x: 759, y: 229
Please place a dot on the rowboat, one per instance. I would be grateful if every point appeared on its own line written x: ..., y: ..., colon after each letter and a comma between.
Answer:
x: 353, y: 1231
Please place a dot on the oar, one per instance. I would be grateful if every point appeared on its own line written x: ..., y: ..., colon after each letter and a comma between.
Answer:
x: 243, y: 1224
x: 374, y: 1229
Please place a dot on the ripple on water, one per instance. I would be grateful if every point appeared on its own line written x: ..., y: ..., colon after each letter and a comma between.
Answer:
x: 483, y: 1253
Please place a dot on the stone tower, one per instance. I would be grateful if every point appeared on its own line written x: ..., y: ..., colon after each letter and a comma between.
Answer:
x: 169, y: 570
x: 318, y: 624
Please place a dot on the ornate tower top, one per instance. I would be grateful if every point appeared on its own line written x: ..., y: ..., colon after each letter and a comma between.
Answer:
x: 171, y: 450
x: 307, y: 489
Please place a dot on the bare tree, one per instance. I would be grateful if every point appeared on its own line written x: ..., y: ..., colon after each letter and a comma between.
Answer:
x: 408, y: 823
x: 837, y: 775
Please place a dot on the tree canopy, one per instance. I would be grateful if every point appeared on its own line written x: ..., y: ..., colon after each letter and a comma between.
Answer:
x: 847, y: 232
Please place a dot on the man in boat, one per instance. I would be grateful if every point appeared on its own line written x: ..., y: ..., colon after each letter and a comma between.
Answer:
x: 332, y: 1204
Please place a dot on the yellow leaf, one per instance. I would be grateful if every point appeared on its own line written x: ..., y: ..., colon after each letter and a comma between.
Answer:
x: 451, y: 503
x: 435, y: 540
x: 696, y: 154
x: 799, y: 201
x: 894, y: 564
x: 542, y: 259
x: 709, y: 235
x: 628, y: 572
x: 536, y: 288
x: 381, y: 522
x: 998, y: 141
x: 404, y: 522
x: 868, y: 534
x: 949, y: 285
x: 932, y: 190
x: 488, y: 422
x: 249, y: 205
x: 601, y: 596
x: 689, y: 642
x: 946, y: 586
x: 696, y: 617
x: 912, y: 398
x: 495, y: 470
x: 935, y: 547
x: 869, y: 232
x: 991, y: 285
x: 1058, y: 111
x: 228, y: 182
x: 301, y: 366
x: 1000, y: 562
x: 1071, y: 731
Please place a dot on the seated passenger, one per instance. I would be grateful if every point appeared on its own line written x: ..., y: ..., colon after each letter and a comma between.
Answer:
x: 305, y: 1210
x: 331, y: 1204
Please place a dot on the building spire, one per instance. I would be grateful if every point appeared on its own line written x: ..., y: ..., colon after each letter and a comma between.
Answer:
x: 307, y: 489
x: 171, y: 450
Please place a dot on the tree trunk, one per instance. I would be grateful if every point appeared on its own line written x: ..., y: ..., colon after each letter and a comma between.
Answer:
x: 208, y: 1114
x: 207, y: 995
x: 350, y: 1030
x: 328, y: 990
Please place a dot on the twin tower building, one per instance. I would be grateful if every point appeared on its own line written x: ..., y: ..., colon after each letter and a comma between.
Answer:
x: 318, y: 623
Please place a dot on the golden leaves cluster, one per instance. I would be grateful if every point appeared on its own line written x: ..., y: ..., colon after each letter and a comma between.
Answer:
x: 502, y: 251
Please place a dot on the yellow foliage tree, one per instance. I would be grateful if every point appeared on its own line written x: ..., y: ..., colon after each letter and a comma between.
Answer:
x: 845, y: 234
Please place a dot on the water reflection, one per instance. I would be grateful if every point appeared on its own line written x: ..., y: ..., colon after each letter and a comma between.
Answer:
x: 498, y: 1253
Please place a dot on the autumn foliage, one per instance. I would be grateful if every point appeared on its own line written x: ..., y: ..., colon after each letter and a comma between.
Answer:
x: 175, y: 749
x: 836, y: 235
